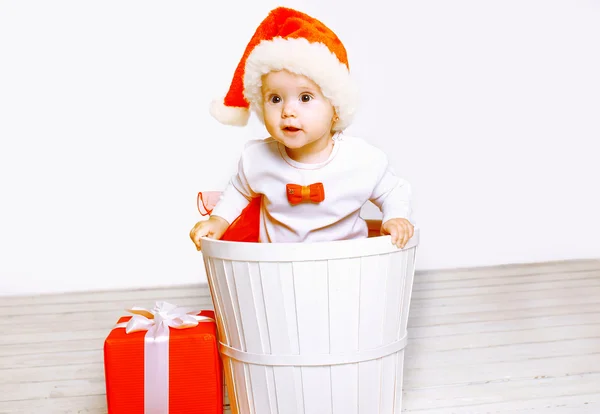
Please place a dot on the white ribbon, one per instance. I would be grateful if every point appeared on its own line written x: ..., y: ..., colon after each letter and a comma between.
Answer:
x: 156, y: 347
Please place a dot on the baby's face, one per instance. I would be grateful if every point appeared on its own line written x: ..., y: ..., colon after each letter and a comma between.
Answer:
x: 296, y: 112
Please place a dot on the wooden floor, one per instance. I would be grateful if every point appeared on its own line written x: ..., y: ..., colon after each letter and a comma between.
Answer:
x: 511, y: 339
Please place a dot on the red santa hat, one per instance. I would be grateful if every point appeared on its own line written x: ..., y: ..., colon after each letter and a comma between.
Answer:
x: 291, y: 40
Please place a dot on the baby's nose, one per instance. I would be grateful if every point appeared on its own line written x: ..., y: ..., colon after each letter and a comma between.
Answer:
x: 288, y: 110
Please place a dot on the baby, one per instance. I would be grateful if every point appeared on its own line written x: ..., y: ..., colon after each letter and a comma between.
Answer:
x: 308, y: 180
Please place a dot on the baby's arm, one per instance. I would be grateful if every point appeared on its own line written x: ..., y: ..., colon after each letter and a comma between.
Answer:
x: 234, y: 199
x: 392, y: 195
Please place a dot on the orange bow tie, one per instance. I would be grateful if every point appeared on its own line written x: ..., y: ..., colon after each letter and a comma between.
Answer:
x: 296, y: 194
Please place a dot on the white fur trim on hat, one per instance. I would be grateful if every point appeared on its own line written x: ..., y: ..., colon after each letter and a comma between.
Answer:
x: 229, y: 115
x: 313, y: 60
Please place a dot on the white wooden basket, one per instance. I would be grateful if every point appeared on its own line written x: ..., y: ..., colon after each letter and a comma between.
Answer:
x: 312, y: 328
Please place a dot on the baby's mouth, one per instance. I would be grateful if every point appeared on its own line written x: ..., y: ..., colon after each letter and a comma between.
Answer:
x: 291, y: 129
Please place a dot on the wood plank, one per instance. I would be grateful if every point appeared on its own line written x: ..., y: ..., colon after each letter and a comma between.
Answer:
x: 450, y: 397
x: 52, y: 389
x: 510, y: 288
x: 34, y: 325
x: 462, y: 305
x: 511, y: 279
x: 501, y: 371
x: 510, y: 300
x: 58, y: 335
x: 89, y: 404
x: 455, y: 358
x: 441, y: 316
x: 489, y: 339
x: 39, y: 348
x: 83, y: 307
x: 507, y: 325
x: 52, y: 359
x: 151, y: 293
x: 52, y: 373
x: 500, y: 271
x: 570, y: 404
x: 106, y: 315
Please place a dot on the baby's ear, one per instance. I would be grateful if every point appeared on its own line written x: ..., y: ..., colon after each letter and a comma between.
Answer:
x: 334, y: 121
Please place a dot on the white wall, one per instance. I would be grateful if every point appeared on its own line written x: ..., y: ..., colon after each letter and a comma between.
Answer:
x: 490, y: 109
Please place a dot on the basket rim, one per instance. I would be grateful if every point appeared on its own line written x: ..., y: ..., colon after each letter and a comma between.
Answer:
x: 300, y: 252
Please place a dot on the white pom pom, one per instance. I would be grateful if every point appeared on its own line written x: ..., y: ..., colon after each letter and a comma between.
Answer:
x: 229, y: 115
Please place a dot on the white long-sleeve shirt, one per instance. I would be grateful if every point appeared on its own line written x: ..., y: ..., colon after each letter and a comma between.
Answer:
x: 354, y: 173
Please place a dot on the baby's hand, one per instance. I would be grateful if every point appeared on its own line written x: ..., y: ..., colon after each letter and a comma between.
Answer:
x: 213, y: 228
x: 400, y: 229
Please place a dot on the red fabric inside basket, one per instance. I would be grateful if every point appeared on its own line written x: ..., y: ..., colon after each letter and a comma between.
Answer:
x: 244, y: 228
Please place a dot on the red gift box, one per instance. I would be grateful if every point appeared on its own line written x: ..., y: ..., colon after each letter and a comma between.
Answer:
x: 194, y: 380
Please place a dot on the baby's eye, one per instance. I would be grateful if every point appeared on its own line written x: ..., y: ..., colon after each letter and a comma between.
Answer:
x: 305, y: 97
x: 275, y: 99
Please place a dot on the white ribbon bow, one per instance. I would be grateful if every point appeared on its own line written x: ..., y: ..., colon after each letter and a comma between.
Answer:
x: 158, y: 320
x: 156, y: 347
